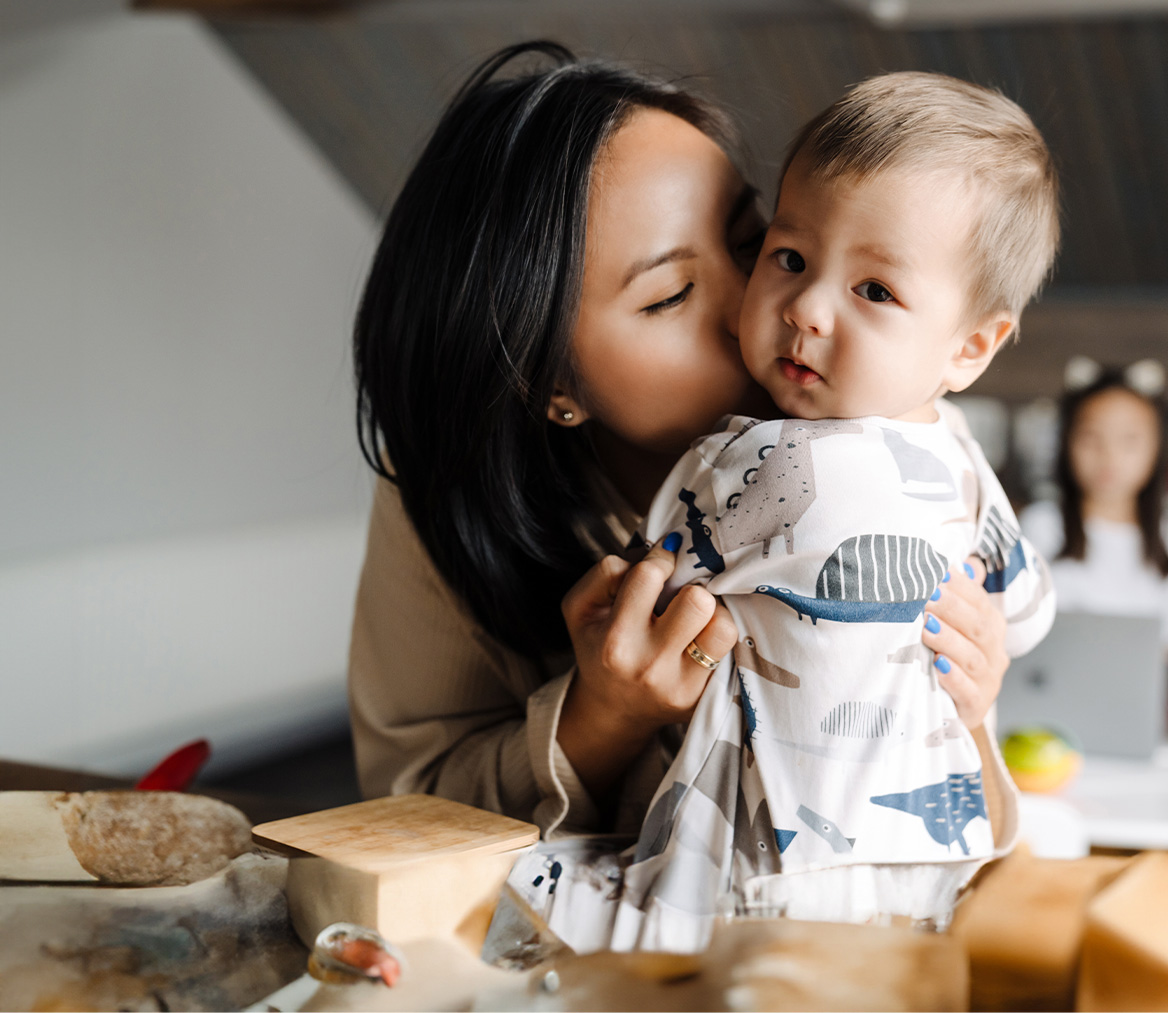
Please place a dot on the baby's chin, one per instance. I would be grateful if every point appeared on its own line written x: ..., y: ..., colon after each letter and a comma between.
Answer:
x: 799, y: 405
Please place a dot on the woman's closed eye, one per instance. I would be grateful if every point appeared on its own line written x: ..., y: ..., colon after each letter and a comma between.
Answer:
x: 873, y: 291
x: 674, y: 300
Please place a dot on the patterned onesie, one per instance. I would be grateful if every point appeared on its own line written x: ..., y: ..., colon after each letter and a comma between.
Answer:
x: 825, y: 774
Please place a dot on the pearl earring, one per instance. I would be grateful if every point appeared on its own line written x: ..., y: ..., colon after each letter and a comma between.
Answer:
x: 567, y: 416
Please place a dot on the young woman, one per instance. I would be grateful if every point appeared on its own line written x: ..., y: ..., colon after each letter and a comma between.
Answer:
x: 1107, y: 533
x: 548, y: 323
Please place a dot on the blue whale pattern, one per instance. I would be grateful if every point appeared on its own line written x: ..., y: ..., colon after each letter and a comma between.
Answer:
x: 870, y: 579
x: 945, y: 808
x: 703, y: 544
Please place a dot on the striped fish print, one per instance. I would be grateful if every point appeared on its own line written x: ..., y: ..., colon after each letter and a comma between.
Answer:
x: 881, y: 568
x: 1000, y: 546
x: 870, y: 579
x: 998, y: 538
x: 859, y: 719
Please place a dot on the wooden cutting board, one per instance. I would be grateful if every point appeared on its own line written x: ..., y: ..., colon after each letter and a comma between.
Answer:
x: 409, y: 866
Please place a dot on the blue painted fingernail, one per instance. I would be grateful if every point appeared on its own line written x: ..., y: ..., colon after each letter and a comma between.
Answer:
x: 968, y: 570
x: 672, y: 542
x: 932, y: 625
x: 945, y: 579
x: 942, y: 664
x: 936, y: 595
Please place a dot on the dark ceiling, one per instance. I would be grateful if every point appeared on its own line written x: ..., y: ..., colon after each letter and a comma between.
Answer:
x: 367, y: 86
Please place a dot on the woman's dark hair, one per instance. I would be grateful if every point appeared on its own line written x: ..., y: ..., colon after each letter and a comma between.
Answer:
x: 465, y: 328
x: 1150, y: 502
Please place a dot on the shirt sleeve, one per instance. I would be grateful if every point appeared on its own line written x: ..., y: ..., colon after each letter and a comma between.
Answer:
x: 438, y: 706
x: 1018, y: 578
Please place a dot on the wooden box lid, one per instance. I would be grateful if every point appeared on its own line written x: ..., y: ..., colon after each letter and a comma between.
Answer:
x: 385, y: 833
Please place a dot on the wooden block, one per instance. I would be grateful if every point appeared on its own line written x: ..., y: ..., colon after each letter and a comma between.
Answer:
x: 1022, y: 923
x: 409, y: 866
x: 1125, y: 945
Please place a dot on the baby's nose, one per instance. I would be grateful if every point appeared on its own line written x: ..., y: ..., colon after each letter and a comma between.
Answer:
x: 809, y: 311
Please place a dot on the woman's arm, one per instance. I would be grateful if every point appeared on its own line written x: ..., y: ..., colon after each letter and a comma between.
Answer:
x: 439, y: 707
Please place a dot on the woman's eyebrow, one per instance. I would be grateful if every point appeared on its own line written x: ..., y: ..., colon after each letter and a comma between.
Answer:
x: 648, y: 263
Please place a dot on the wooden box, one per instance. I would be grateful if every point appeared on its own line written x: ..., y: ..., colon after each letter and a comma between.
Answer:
x: 409, y: 866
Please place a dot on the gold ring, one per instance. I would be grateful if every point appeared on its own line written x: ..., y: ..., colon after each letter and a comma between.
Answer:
x: 700, y: 656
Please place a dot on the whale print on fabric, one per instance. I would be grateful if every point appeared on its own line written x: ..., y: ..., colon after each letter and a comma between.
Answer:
x: 870, y: 579
x: 922, y: 471
x: 757, y: 839
x: 859, y: 719
x: 1000, y: 545
x: 949, y: 729
x: 746, y: 656
x: 703, y: 545
x: 945, y: 808
x: 749, y: 719
x: 915, y: 653
x: 824, y: 827
x: 717, y: 780
x: 778, y: 490
x: 657, y: 827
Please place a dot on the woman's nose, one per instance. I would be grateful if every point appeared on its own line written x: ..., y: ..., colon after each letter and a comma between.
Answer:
x: 809, y: 310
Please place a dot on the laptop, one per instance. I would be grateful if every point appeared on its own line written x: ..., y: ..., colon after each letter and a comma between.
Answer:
x: 1101, y: 678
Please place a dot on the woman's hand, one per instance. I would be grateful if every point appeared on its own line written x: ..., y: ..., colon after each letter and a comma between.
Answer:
x: 633, y: 675
x: 969, y: 641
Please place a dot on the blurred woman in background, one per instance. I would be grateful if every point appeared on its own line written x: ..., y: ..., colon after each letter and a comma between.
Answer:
x: 1107, y: 535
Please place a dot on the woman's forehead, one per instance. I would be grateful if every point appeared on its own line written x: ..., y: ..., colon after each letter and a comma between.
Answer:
x: 1117, y: 406
x: 659, y: 184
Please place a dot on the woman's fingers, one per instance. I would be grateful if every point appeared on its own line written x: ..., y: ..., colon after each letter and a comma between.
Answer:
x: 596, y: 590
x: 967, y: 633
x: 719, y: 635
x: 968, y: 695
x: 690, y: 612
x: 643, y: 583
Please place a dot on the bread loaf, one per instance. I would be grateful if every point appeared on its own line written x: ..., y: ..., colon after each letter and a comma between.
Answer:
x: 129, y: 838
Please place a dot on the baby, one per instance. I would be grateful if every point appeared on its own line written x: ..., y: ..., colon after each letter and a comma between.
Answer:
x: 825, y: 774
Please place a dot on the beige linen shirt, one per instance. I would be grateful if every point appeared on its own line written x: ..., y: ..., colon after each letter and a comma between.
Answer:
x: 439, y: 706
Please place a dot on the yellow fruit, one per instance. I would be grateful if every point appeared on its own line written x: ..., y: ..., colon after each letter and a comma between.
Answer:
x: 1040, y: 759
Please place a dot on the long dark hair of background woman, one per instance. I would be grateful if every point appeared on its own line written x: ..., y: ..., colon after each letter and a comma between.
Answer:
x: 1150, y: 501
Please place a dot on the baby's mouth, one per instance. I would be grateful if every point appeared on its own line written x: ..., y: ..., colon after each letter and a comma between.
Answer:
x: 796, y: 373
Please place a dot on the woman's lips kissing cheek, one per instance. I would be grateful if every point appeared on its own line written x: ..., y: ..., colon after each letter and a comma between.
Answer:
x: 801, y: 375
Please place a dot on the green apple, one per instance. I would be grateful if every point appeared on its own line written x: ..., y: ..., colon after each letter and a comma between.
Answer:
x: 1040, y: 759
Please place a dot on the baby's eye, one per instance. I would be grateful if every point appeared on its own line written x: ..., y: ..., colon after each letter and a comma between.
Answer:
x: 674, y: 300
x: 791, y: 261
x: 873, y: 291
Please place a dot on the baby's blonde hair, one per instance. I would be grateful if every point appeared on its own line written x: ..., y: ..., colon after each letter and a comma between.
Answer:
x: 927, y: 121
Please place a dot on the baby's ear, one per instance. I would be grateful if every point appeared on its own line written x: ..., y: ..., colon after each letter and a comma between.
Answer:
x: 977, y: 350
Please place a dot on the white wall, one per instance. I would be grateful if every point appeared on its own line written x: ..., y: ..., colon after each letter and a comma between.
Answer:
x: 181, y: 498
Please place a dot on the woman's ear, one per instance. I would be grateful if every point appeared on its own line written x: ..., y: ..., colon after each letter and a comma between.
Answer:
x: 977, y: 350
x: 564, y: 410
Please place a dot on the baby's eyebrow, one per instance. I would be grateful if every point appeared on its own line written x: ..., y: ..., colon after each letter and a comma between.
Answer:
x: 882, y: 255
x: 784, y: 224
